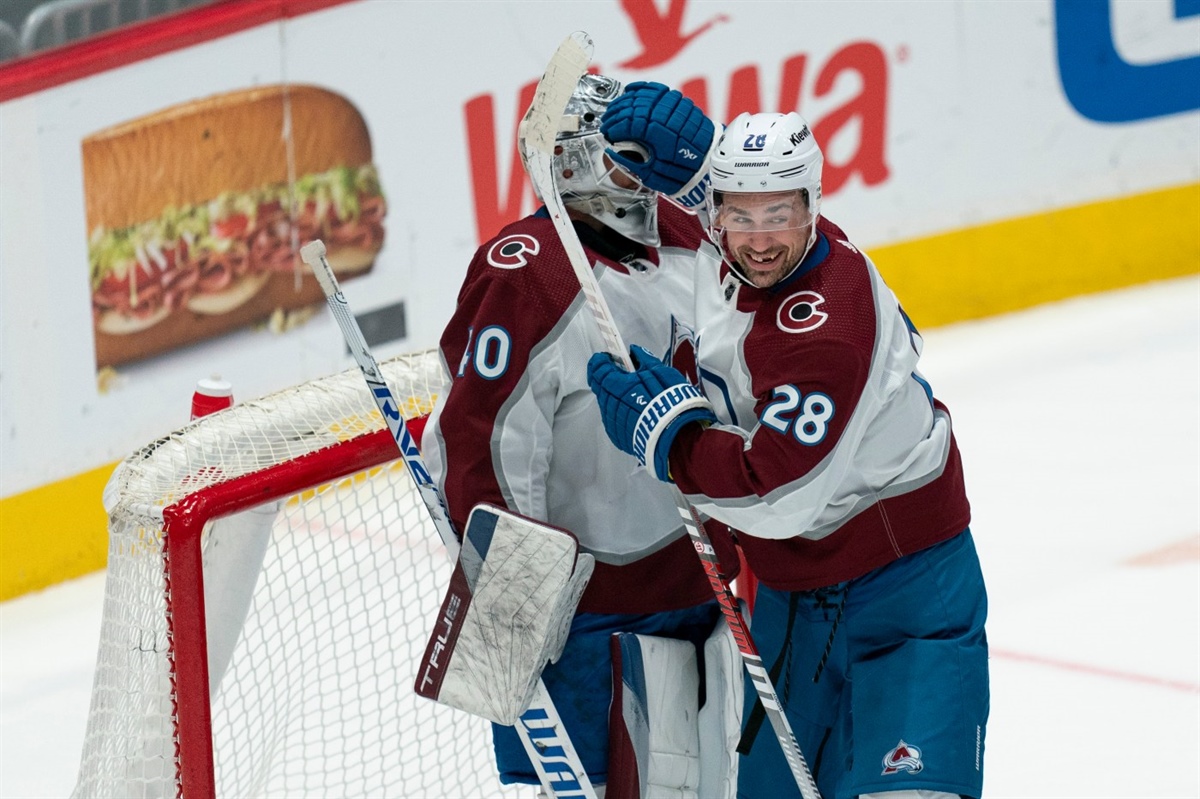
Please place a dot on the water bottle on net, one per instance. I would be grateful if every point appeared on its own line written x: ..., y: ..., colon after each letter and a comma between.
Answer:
x: 212, y: 394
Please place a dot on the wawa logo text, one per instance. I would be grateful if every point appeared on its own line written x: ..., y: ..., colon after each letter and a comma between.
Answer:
x: 862, y: 116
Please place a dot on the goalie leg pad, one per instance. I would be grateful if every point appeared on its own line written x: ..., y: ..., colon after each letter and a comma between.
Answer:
x: 581, y: 684
x: 721, y: 715
x: 654, y: 741
x: 662, y: 742
x: 507, y: 611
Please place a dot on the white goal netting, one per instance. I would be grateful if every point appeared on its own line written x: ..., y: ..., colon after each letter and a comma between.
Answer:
x: 322, y: 576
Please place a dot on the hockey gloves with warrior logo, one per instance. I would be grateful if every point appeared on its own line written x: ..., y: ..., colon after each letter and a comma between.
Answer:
x: 645, y: 409
x: 670, y: 135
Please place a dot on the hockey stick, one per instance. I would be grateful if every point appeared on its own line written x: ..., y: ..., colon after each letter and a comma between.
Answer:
x: 540, y: 728
x: 536, y: 138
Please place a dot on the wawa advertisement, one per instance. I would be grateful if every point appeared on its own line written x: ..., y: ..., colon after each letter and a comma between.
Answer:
x: 151, y: 213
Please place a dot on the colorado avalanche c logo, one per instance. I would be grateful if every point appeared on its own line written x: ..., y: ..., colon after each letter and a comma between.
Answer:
x: 799, y: 314
x: 904, y: 757
x: 509, y: 252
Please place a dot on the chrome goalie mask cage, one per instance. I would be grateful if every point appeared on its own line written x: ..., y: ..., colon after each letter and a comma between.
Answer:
x: 585, y: 176
x: 763, y: 154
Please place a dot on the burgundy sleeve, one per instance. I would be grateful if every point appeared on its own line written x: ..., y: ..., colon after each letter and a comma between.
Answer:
x: 718, y: 464
x: 501, y: 316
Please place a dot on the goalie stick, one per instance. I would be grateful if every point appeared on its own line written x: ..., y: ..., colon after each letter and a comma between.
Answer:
x: 536, y: 138
x: 540, y: 728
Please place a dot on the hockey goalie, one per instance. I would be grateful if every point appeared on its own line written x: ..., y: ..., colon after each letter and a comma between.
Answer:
x: 602, y: 598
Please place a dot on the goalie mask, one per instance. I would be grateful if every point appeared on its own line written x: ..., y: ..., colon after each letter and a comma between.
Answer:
x: 765, y: 196
x: 588, y: 181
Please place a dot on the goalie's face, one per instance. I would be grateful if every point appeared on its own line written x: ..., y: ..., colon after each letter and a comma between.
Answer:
x: 766, y: 235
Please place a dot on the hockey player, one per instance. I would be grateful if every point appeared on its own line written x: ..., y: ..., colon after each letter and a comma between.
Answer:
x: 518, y: 427
x: 824, y: 446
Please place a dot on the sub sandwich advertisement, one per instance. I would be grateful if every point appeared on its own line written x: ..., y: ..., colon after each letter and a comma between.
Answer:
x: 152, y: 205
x: 210, y: 245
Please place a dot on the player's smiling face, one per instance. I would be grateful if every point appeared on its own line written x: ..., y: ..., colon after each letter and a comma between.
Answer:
x: 767, y: 234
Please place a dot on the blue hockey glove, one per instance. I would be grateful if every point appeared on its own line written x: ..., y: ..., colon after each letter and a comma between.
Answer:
x: 673, y: 133
x: 645, y: 409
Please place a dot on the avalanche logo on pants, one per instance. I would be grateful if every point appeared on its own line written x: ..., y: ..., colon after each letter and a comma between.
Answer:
x: 905, y: 757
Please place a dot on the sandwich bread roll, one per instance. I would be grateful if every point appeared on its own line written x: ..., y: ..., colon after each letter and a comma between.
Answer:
x: 196, y: 214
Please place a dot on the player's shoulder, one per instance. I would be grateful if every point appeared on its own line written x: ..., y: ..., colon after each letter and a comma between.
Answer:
x: 528, y: 243
x: 678, y: 228
x: 830, y: 306
x: 523, y: 268
x: 839, y: 243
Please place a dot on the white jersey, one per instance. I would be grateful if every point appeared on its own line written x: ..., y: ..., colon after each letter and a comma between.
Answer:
x: 833, y: 457
x: 519, y: 426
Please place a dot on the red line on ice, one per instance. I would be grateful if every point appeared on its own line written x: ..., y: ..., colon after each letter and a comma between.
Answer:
x: 1176, y: 685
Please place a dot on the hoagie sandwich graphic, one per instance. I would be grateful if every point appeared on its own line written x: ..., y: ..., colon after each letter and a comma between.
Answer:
x: 196, y: 214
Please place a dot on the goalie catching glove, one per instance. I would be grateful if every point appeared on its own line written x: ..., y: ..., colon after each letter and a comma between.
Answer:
x: 645, y: 409
x: 672, y: 136
x: 506, y: 614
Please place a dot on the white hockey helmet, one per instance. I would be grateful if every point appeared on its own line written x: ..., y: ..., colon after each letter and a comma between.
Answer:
x: 585, y: 175
x: 765, y: 153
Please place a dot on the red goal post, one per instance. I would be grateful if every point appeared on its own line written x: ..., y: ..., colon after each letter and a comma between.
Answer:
x: 272, y: 575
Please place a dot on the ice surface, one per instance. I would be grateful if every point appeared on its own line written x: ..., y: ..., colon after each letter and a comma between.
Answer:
x: 1079, y: 424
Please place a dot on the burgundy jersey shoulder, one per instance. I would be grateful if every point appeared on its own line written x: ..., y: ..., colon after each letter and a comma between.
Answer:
x: 840, y: 247
x: 678, y: 228
x: 825, y: 320
x: 834, y: 303
x: 830, y: 228
x: 527, y: 261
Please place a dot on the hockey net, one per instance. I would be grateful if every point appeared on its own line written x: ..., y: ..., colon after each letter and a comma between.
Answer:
x: 272, y: 579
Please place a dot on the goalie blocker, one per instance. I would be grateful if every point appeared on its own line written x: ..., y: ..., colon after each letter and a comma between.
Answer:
x: 506, y: 614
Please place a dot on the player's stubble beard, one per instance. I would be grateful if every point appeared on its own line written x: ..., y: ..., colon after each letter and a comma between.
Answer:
x: 786, y: 257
